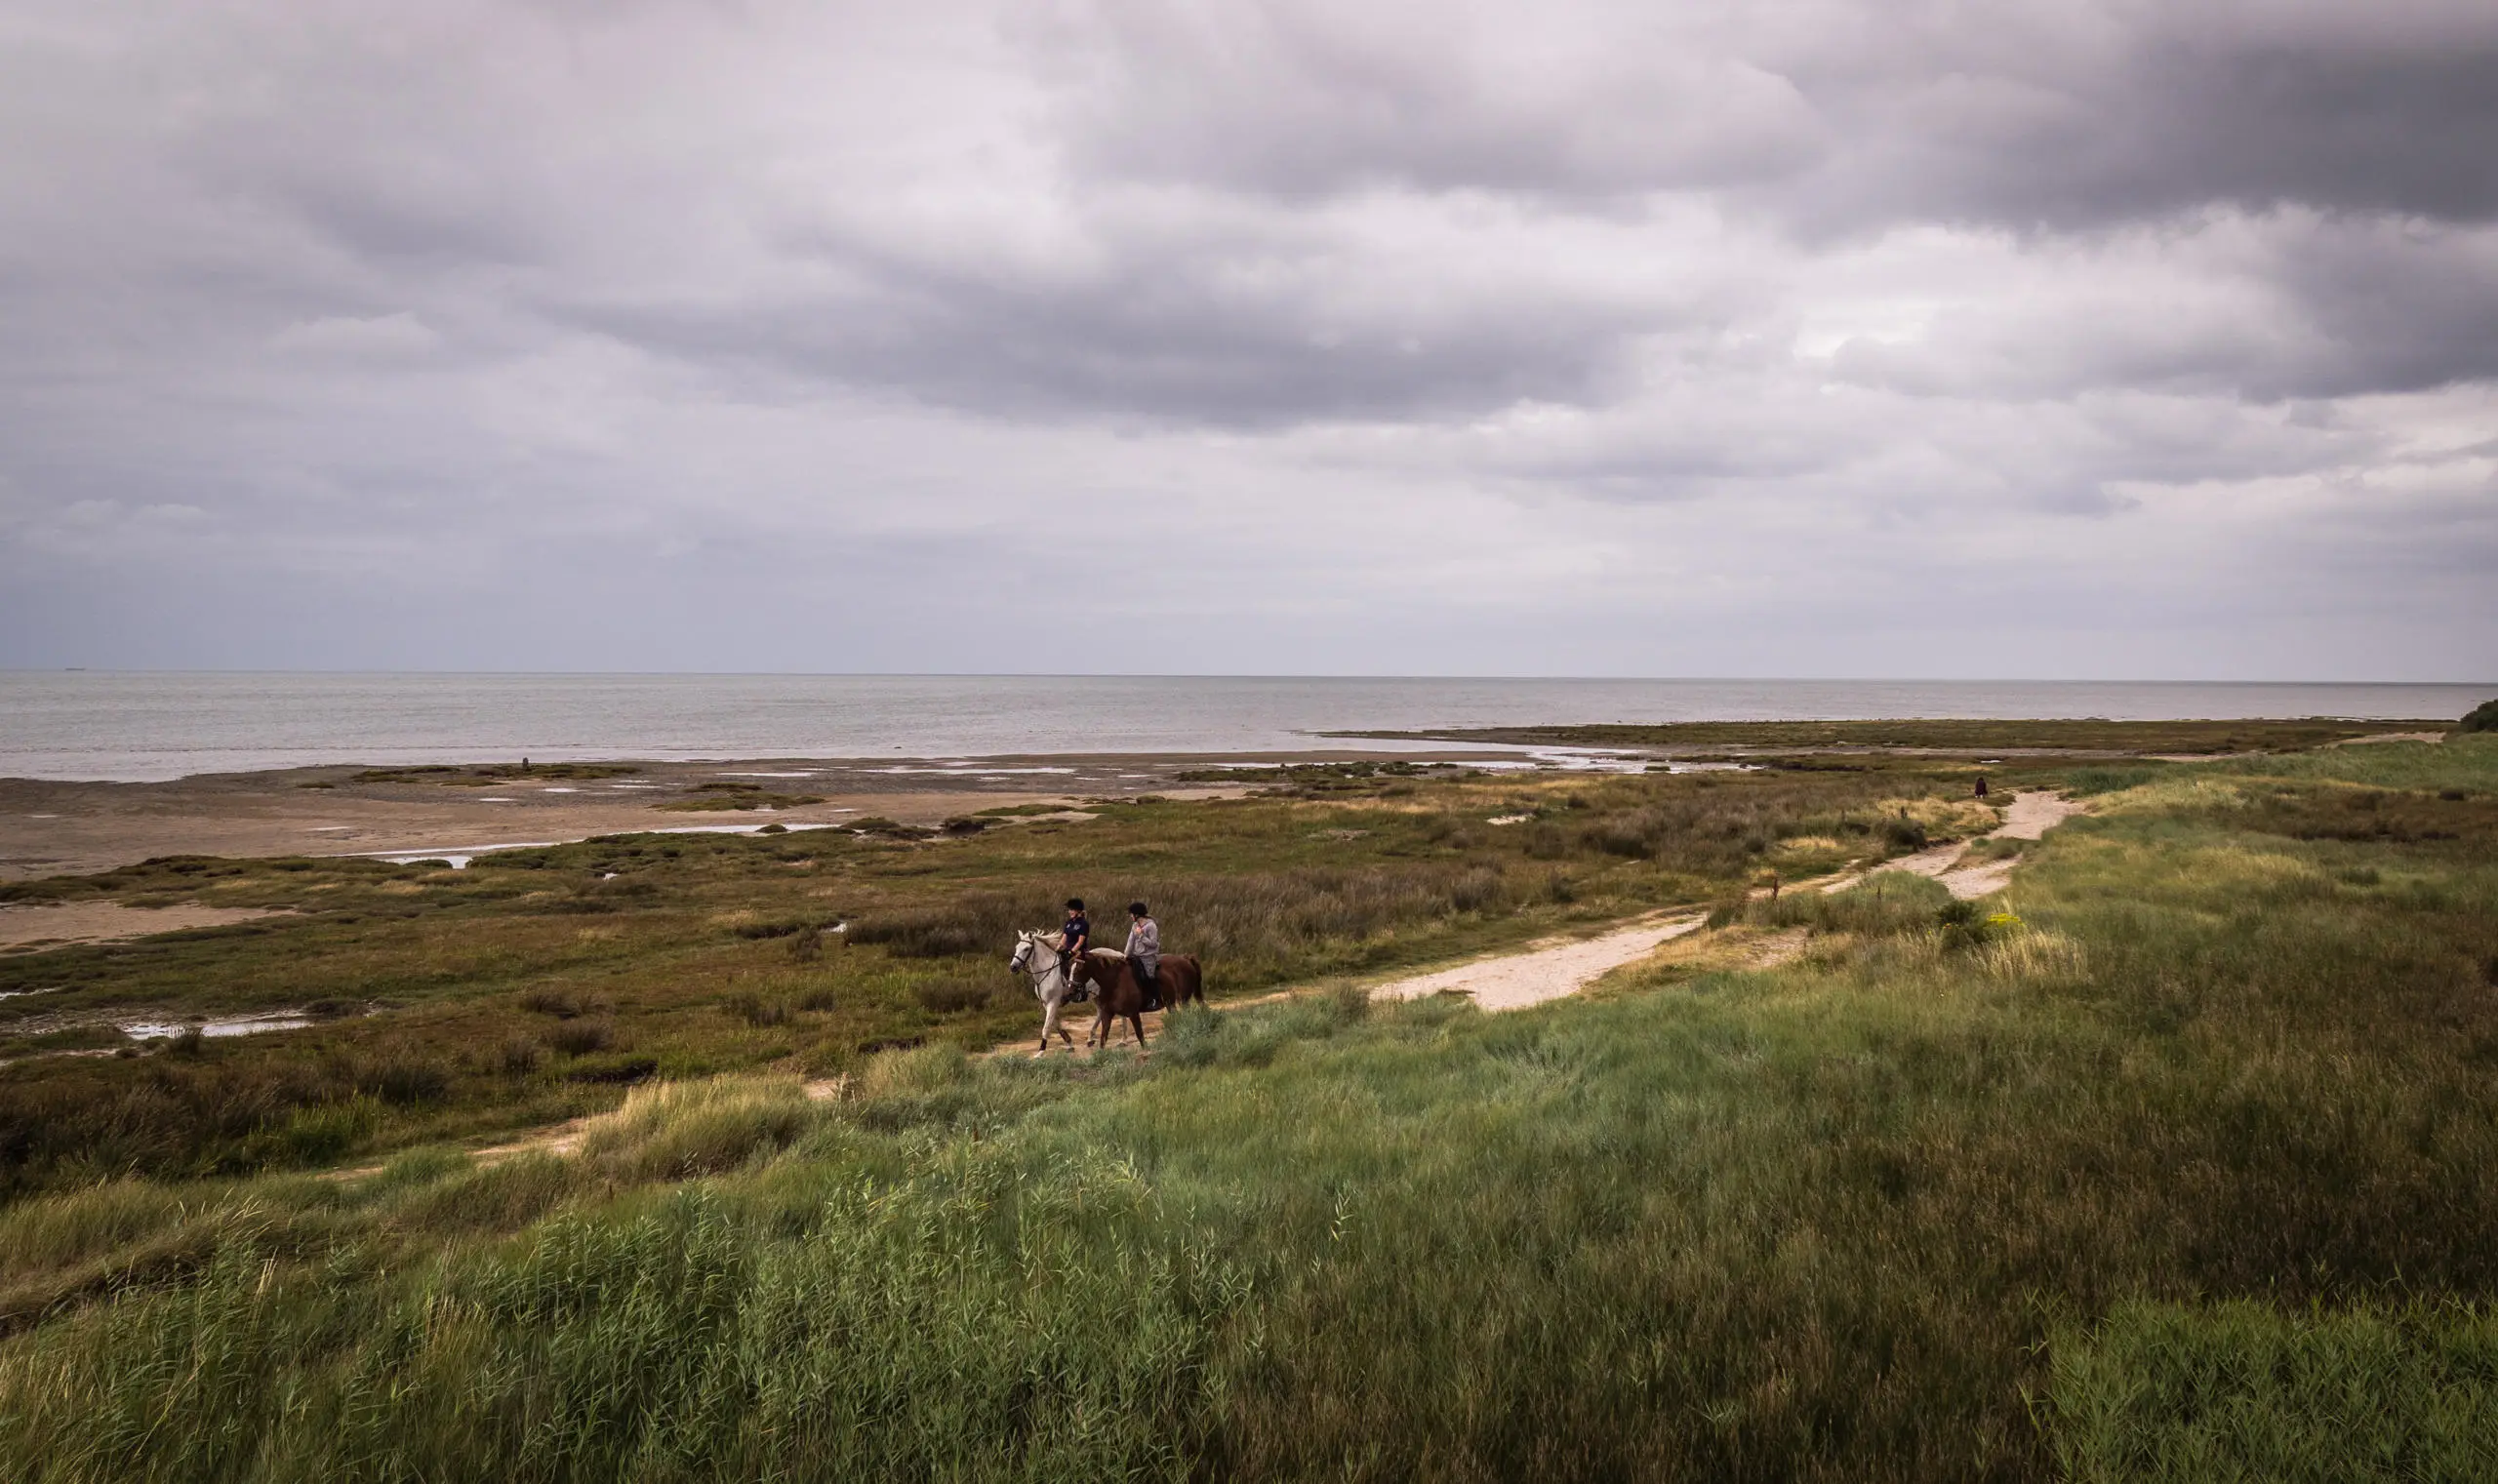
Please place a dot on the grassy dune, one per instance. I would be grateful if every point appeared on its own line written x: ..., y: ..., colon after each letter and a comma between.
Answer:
x: 2179, y: 1171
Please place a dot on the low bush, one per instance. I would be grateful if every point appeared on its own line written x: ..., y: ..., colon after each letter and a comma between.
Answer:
x: 756, y: 1010
x: 577, y: 1038
x: 614, y: 1068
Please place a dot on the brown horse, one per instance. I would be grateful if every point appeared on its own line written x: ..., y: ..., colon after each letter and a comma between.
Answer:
x: 1118, y: 995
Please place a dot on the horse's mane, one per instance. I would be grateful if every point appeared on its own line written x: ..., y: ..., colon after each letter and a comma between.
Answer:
x: 1107, y: 955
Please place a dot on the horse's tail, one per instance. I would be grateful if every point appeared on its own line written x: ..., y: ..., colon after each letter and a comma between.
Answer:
x: 1182, y: 981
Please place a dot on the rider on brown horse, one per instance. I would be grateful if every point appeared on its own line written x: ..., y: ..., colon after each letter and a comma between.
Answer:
x: 1145, y: 953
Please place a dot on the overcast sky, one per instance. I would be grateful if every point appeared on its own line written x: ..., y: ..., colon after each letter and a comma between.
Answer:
x: 1833, y: 337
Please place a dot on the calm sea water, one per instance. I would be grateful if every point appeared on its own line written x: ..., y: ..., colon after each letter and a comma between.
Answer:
x: 103, y: 725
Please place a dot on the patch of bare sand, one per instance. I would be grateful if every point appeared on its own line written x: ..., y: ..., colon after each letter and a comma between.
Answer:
x: 59, y: 924
x: 1545, y: 972
x: 2035, y: 812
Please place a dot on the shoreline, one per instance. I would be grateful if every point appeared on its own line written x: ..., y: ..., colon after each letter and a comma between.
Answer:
x: 51, y: 827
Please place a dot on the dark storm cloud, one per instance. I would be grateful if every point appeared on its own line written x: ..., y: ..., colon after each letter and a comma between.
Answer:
x: 2157, y: 112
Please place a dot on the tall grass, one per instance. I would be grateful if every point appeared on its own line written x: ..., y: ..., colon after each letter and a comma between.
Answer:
x: 2244, y: 1390
x: 2120, y: 1193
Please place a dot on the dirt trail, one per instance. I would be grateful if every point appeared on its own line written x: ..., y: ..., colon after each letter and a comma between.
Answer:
x: 2028, y: 817
x: 1546, y: 971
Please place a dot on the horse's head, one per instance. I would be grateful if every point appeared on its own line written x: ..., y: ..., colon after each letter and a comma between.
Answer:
x: 1021, y: 961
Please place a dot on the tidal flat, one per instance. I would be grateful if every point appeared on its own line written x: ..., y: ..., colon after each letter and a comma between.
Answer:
x: 2172, y: 1158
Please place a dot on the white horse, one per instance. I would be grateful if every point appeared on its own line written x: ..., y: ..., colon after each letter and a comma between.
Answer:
x: 1043, y: 956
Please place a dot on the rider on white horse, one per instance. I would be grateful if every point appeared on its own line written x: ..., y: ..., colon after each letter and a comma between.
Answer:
x: 1044, y: 957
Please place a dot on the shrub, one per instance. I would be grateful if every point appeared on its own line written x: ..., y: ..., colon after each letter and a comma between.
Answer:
x: 405, y: 1079
x: 319, y: 1135
x: 521, y: 1056
x: 1965, y: 925
x: 757, y: 1011
x: 2482, y: 718
x: 616, y: 1069
x: 578, y: 1038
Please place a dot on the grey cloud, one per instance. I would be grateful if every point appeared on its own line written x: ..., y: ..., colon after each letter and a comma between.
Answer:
x: 1837, y: 114
x: 798, y: 315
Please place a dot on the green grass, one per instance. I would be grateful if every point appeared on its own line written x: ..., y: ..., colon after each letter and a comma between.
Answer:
x: 2187, y: 1176
x: 2246, y: 1391
x: 443, y: 991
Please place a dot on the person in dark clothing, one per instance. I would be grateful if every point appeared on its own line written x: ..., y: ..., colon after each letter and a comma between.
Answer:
x: 1144, y: 953
x: 1077, y: 930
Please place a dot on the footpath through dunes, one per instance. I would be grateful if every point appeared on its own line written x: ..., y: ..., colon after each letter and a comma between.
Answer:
x: 1545, y: 970
x: 2028, y: 817
x: 1555, y: 968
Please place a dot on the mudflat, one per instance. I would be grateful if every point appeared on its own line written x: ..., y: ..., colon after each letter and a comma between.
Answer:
x: 51, y: 827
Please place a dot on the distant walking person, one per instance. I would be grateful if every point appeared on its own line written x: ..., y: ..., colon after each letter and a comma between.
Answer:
x: 1982, y: 785
x: 1144, y: 953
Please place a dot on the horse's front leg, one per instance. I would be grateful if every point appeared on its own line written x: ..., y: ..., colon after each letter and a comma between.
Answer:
x: 1049, y: 1022
x: 1136, y: 1022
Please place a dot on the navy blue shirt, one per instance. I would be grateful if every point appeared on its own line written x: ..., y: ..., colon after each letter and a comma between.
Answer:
x: 1080, y: 933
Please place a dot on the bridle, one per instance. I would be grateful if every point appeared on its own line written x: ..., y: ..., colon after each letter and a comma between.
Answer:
x: 1026, y: 961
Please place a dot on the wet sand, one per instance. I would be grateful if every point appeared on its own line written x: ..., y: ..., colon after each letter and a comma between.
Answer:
x: 53, y: 924
x: 53, y: 829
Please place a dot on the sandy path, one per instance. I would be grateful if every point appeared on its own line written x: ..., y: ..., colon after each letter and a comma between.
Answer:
x: 111, y: 922
x: 2032, y: 813
x: 2028, y: 817
x: 1546, y: 972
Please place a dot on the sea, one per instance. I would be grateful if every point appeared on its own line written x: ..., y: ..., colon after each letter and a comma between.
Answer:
x: 135, y: 727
